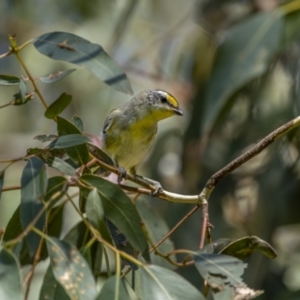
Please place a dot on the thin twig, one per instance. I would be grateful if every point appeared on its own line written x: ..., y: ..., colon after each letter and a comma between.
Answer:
x: 175, y: 228
x: 264, y: 143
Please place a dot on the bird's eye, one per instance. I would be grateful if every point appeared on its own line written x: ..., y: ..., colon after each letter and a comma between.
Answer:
x: 163, y: 99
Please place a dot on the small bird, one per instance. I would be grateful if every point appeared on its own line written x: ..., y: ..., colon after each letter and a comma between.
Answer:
x: 129, y: 131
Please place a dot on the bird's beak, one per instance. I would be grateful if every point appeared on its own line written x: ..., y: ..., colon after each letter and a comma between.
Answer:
x: 178, y: 111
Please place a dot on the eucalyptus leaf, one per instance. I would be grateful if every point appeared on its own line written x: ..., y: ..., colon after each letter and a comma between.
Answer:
x: 74, y: 49
x: 61, y: 166
x: 114, y: 288
x: 10, y: 276
x: 67, y: 141
x: 119, y: 209
x: 77, y: 122
x: 45, y: 138
x: 95, y: 214
x: 78, y: 154
x: 33, y: 190
x: 244, y: 247
x: 51, y: 289
x: 245, y: 54
x: 9, y: 80
x: 71, y: 270
x: 161, y: 283
x: 58, y: 106
x: 223, y: 273
x: 53, y: 77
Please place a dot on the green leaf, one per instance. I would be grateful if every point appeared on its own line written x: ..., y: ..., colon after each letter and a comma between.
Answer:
x: 10, y: 277
x: 13, y: 227
x: 45, y: 138
x: 71, y: 270
x: 245, y: 54
x: 243, y: 248
x: 74, y: 49
x: 77, y: 235
x: 77, y: 122
x: 33, y: 189
x: 119, y: 209
x: 79, y: 153
x: 55, y: 184
x: 61, y: 165
x: 95, y: 214
x: 157, y: 228
x: 51, y: 289
x: 9, y: 80
x: 19, y: 99
x: 223, y: 273
x: 161, y: 283
x: 23, y: 88
x: 67, y: 141
x: 114, y: 288
x: 58, y: 106
x: 100, y: 154
x: 1, y: 181
x: 53, y: 77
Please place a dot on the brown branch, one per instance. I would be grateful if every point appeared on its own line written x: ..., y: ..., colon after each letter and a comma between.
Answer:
x: 264, y: 143
x: 174, y: 228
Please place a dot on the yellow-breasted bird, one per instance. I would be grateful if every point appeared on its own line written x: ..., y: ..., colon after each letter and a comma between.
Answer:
x: 129, y: 131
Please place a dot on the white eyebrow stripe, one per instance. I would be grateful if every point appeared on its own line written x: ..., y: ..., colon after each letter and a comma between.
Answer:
x: 163, y: 93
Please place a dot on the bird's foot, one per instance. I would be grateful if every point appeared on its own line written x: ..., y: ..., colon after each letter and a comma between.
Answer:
x: 122, y: 174
x: 157, y: 185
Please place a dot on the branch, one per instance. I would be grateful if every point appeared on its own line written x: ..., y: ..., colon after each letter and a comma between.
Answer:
x: 264, y: 143
x: 164, y: 195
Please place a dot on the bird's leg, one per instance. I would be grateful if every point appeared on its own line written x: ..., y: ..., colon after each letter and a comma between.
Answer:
x: 122, y: 174
x: 157, y: 185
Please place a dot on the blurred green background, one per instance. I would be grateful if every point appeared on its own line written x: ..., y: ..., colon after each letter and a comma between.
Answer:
x: 234, y: 68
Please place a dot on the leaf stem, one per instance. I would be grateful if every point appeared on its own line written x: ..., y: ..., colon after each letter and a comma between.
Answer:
x: 31, y: 79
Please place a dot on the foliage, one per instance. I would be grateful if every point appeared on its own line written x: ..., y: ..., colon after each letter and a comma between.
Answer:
x: 112, y: 222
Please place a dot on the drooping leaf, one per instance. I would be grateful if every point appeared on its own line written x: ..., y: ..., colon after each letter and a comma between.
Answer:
x: 74, y: 49
x: 51, y: 289
x: 53, y: 77
x: 95, y: 214
x: 10, y: 276
x: 14, y: 229
x: 223, y: 273
x: 100, y: 154
x: 157, y: 228
x: 245, y: 54
x: 122, y: 244
x: 77, y: 235
x: 68, y: 141
x: 79, y: 153
x: 18, y: 99
x: 9, y: 80
x: 61, y: 165
x: 1, y: 181
x: 114, y: 288
x: 33, y: 189
x: 58, y: 106
x: 77, y: 122
x: 14, y: 226
x: 161, y: 283
x: 71, y: 270
x: 119, y: 209
x: 243, y: 248
x: 45, y: 138
x: 55, y: 184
